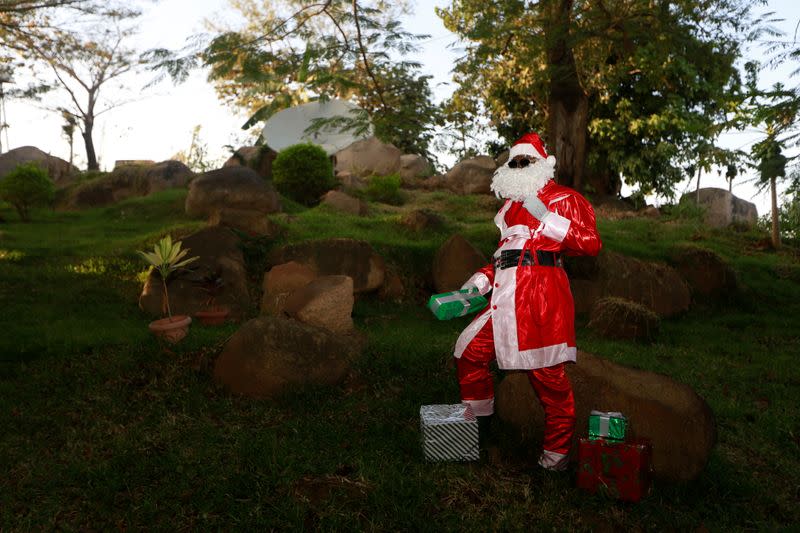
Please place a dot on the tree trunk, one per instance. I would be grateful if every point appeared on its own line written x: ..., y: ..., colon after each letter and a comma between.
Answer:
x: 776, y: 224
x: 697, y: 189
x: 568, y: 104
x: 91, y: 157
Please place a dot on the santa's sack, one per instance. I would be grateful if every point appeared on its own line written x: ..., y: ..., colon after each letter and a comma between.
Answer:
x: 453, y: 304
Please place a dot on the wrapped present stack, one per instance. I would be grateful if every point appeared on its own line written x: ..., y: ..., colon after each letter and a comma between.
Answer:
x: 449, y: 433
x: 456, y: 303
x: 610, y: 463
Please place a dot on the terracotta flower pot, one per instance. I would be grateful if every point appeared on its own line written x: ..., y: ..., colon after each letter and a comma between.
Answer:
x: 212, y: 317
x: 171, y: 329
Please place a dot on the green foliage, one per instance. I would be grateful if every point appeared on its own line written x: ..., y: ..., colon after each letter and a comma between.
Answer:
x: 27, y: 186
x: 167, y: 257
x: 385, y: 189
x: 303, y: 173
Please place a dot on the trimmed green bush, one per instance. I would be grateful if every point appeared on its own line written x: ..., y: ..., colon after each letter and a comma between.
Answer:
x: 27, y: 186
x: 385, y: 189
x: 303, y: 173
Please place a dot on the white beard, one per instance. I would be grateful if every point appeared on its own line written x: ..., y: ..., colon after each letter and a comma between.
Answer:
x: 517, y: 184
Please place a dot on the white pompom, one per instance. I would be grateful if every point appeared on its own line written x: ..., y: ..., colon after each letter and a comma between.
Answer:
x: 551, y: 159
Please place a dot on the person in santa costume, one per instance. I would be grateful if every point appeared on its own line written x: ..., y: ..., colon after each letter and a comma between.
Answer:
x: 529, y: 323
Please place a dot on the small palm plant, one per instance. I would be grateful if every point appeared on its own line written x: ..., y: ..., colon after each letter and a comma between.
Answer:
x: 166, y: 258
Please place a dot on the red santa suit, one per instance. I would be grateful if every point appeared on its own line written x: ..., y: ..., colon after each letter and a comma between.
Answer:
x: 529, y: 323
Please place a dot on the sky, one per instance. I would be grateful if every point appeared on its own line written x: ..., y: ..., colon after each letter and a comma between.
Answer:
x: 155, y: 123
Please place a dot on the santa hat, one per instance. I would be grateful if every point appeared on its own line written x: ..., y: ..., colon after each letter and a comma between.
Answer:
x: 531, y: 145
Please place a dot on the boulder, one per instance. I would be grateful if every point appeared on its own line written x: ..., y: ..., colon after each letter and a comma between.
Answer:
x: 455, y: 261
x: 258, y: 158
x: 393, y: 289
x: 60, y: 171
x: 413, y: 167
x: 348, y: 181
x: 127, y: 181
x: 281, y: 281
x: 233, y: 187
x: 270, y: 355
x: 677, y: 420
x: 348, y: 257
x: 617, y: 318
x: 369, y: 157
x: 218, y: 251
x: 247, y: 220
x: 326, y: 302
x: 471, y: 176
x: 708, y: 275
x: 345, y: 203
x: 723, y: 208
x: 421, y: 220
x: 657, y: 286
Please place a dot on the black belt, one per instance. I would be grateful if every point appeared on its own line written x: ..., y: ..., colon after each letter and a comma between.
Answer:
x: 510, y: 258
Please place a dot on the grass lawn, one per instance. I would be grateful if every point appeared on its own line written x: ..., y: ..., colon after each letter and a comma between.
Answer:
x: 102, y: 429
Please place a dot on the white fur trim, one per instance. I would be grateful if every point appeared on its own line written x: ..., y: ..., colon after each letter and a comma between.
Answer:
x: 480, y: 281
x: 481, y: 407
x: 524, y: 149
x: 553, y: 461
x: 470, y: 331
x: 555, y: 226
x: 517, y: 184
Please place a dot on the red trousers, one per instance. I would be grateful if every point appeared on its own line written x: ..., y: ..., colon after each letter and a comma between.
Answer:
x: 551, y: 384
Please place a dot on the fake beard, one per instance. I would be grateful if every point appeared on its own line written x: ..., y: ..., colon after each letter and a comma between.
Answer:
x: 517, y: 184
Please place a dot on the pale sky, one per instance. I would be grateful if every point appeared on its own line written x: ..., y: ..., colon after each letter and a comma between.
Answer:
x: 159, y: 121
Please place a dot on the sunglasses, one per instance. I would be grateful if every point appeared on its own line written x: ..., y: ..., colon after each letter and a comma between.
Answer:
x: 521, y: 163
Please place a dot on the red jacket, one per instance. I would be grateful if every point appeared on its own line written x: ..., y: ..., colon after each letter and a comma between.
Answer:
x: 531, y: 307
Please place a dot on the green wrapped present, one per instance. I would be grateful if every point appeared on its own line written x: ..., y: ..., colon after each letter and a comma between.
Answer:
x: 457, y: 303
x: 607, y: 425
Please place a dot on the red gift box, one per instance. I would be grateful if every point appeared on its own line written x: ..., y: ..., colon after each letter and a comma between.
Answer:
x: 621, y: 470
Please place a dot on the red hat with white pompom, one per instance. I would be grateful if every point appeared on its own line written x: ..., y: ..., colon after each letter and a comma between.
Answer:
x: 531, y: 145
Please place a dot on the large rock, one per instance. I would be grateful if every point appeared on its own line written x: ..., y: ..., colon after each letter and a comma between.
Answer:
x: 60, y: 171
x: 326, y: 302
x: 413, y: 167
x: 654, y: 285
x: 254, y: 223
x: 234, y: 187
x: 270, y: 355
x: 708, y: 275
x: 219, y: 252
x: 679, y: 422
x: 348, y: 257
x: 281, y: 281
x: 617, y: 318
x: 455, y: 261
x: 345, y: 203
x: 258, y: 158
x: 369, y: 157
x: 422, y: 220
x: 471, y: 176
x: 127, y: 181
x: 723, y: 208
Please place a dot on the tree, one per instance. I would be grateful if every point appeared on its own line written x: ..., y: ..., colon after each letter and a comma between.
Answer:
x: 68, y: 129
x: 27, y: 186
x: 622, y: 88
x: 295, y: 51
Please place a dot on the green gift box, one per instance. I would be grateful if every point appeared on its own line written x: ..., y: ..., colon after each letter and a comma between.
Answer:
x: 607, y: 425
x: 456, y: 303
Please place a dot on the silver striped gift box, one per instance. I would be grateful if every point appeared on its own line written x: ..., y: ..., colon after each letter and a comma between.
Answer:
x: 449, y: 433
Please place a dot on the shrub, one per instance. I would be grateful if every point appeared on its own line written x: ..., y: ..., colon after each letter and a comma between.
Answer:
x: 385, y: 189
x: 28, y: 185
x: 303, y: 173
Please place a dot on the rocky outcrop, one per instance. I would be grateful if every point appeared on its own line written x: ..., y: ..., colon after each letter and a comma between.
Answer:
x: 369, y: 157
x: 345, y: 203
x: 657, y: 286
x: 471, y: 176
x: 60, y: 171
x: 258, y: 158
x: 677, y: 420
x: 281, y: 281
x: 412, y: 168
x: 251, y: 222
x: 422, y: 220
x: 270, y: 355
x: 455, y: 261
x: 348, y: 257
x: 218, y: 251
x: 708, y: 275
x: 326, y: 302
x: 617, y: 318
x: 233, y: 187
x: 723, y: 208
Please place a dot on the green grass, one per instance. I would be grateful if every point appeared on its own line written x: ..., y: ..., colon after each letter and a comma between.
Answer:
x: 103, y: 429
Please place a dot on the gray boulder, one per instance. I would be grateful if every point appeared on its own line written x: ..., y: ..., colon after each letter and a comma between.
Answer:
x: 60, y: 171
x: 233, y: 187
x: 326, y: 302
x: 369, y: 157
x: 678, y: 421
x: 455, y: 261
x: 270, y: 355
x: 348, y: 257
x: 413, y: 167
x: 708, y: 275
x: 471, y: 176
x: 723, y: 208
